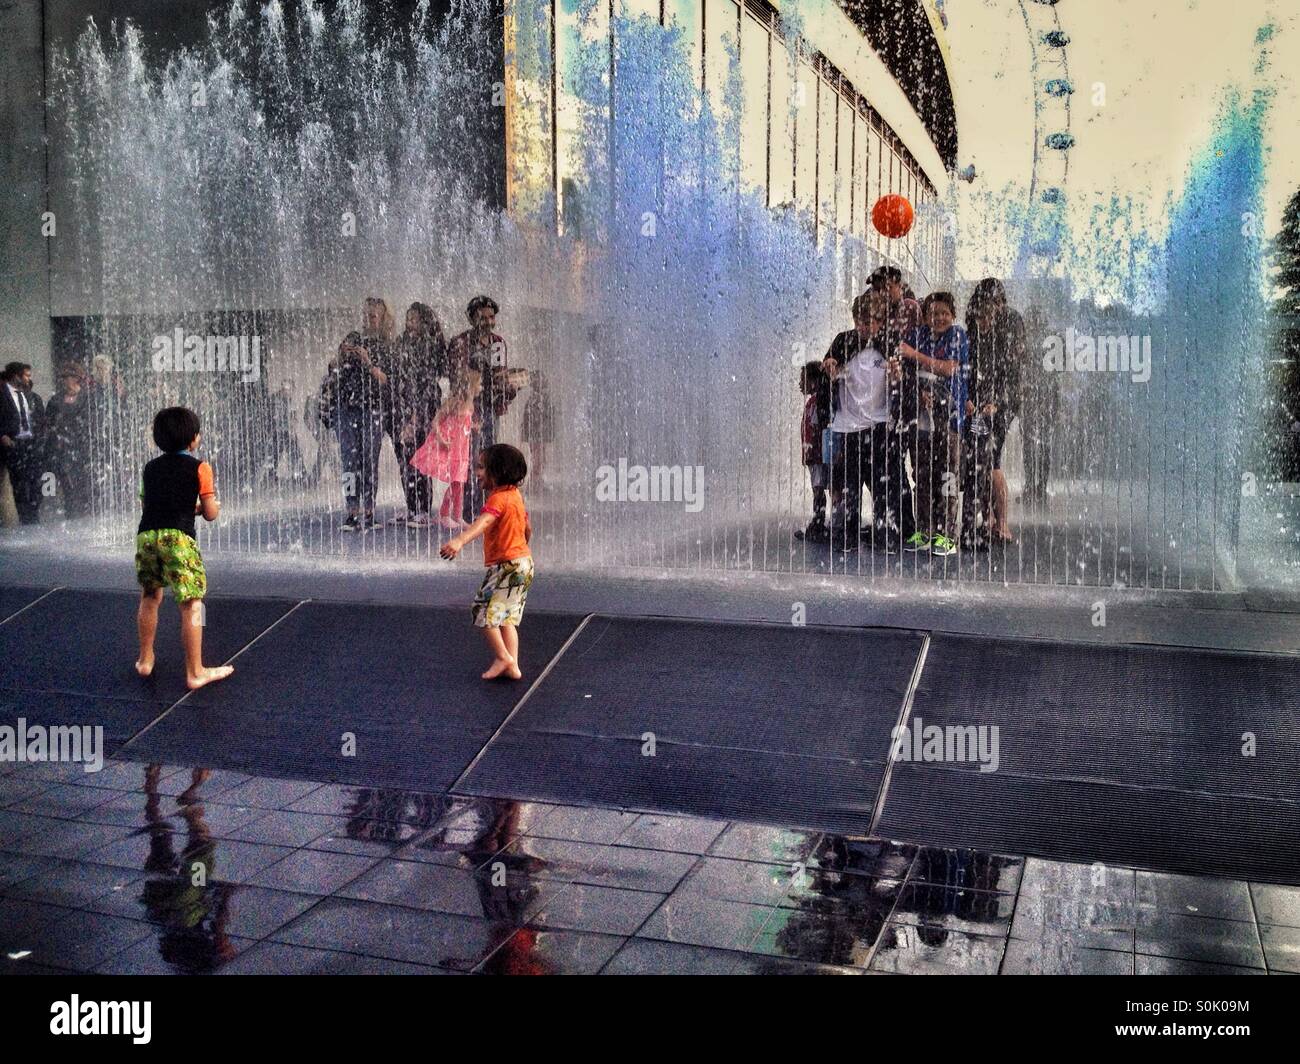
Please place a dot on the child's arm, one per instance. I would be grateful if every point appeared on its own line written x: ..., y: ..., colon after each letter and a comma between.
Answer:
x: 943, y: 367
x: 528, y: 528
x: 438, y: 426
x: 456, y: 544
x: 208, y: 504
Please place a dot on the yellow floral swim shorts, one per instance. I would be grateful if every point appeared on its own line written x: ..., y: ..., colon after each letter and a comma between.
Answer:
x: 501, y: 596
x: 167, y: 557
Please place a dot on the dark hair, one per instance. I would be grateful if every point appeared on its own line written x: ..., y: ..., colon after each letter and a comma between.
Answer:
x: 505, y: 465
x: 946, y: 298
x: 988, y: 291
x: 478, y: 303
x: 810, y: 375
x: 174, y: 429
x: 862, y: 305
x: 882, y: 275
x: 14, y: 369
x: 427, y: 317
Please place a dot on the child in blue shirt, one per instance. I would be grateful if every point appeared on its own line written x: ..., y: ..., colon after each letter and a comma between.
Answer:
x: 941, y: 351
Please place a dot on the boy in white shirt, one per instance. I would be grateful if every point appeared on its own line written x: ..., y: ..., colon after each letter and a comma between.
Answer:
x: 859, y: 438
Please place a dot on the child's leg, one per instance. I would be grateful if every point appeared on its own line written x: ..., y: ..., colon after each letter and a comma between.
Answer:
x: 451, y: 501
x: 510, y: 636
x: 196, y: 675
x: 147, y: 624
x: 501, y: 659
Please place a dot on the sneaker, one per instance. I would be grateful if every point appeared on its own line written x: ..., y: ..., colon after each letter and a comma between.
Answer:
x: 419, y: 521
x: 816, y: 532
x: 943, y: 547
x: 400, y: 519
x: 352, y: 523
x: 369, y: 524
x: 918, y: 541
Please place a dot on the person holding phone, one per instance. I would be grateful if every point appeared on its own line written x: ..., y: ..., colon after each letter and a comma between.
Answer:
x: 480, y: 350
x: 355, y: 387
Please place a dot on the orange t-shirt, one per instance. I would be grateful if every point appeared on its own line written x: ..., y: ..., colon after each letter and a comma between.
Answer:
x: 507, y: 538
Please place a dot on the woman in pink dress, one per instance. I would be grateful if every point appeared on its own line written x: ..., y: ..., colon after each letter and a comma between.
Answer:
x: 444, y: 455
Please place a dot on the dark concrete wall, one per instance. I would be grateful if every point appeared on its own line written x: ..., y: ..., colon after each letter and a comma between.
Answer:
x: 24, y: 273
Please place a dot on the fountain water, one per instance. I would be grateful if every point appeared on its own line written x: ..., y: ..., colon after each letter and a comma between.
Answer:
x: 263, y: 181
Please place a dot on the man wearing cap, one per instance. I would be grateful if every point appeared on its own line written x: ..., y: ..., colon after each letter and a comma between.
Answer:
x: 480, y: 350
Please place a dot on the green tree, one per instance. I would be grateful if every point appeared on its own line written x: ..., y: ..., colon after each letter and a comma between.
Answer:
x: 1282, y: 362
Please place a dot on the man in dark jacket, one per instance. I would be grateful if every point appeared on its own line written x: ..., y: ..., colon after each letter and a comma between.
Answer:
x: 22, y: 415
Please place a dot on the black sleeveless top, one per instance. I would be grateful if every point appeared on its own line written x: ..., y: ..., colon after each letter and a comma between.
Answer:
x: 170, y: 486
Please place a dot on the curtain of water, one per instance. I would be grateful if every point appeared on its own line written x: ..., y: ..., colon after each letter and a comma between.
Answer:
x: 613, y: 176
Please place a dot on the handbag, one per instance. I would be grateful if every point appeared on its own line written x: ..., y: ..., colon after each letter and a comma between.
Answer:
x: 328, y: 400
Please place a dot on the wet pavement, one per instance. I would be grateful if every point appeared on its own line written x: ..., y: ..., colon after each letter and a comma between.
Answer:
x: 162, y: 869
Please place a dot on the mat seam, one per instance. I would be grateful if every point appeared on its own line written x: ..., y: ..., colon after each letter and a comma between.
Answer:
x: 157, y: 719
x: 1141, y: 788
x: 29, y: 605
x: 904, y: 712
x: 459, y: 781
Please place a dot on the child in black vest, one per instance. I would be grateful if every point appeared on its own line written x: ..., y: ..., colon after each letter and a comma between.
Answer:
x: 175, y: 487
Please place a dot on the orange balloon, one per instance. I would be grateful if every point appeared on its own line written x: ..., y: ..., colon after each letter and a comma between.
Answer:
x: 892, y: 216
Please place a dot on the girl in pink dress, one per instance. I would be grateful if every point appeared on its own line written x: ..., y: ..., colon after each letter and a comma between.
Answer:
x: 444, y: 455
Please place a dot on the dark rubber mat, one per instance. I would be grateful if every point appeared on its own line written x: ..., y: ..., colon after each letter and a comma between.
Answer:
x: 1137, y: 716
x: 69, y: 659
x: 1245, y: 839
x: 1150, y: 756
x: 762, y: 722
x: 13, y: 599
x: 403, y: 682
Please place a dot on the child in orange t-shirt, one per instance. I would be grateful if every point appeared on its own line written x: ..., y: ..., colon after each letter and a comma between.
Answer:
x: 504, y: 525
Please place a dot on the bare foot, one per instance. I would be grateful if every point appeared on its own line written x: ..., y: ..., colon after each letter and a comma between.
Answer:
x: 499, y: 666
x: 513, y: 672
x: 207, y: 676
x: 144, y: 668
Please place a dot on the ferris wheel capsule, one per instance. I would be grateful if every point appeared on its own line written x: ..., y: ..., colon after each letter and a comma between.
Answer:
x: 1058, y: 87
x: 1060, y: 141
x: 1056, y: 38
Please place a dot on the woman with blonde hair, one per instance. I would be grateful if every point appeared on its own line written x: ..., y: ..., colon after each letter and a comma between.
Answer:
x: 414, y: 397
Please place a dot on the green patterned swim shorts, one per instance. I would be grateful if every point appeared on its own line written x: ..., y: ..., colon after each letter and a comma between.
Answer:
x: 501, y: 596
x: 169, y: 558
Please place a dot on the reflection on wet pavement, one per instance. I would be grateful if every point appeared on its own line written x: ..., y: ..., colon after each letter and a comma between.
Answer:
x: 159, y: 869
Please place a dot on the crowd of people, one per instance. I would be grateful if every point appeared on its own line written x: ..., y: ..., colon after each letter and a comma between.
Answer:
x: 911, y: 407
x: 910, y: 387
x: 384, y: 385
x: 55, y: 437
